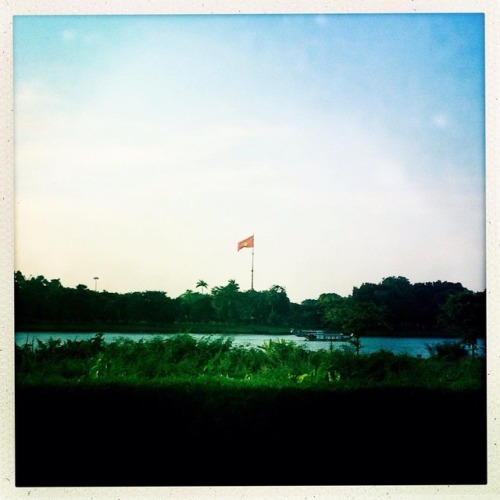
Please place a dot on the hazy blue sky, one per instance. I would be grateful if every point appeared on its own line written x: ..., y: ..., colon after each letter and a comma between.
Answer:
x: 352, y: 146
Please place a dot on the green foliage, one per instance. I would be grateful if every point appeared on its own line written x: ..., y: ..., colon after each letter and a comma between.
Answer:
x: 67, y: 360
x: 464, y: 315
x: 280, y: 363
x: 391, y: 306
x: 448, y: 351
x: 202, y: 284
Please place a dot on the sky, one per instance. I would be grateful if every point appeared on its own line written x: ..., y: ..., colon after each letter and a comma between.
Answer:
x: 350, y: 145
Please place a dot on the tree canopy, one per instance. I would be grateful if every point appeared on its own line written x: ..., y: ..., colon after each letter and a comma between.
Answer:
x: 392, y: 307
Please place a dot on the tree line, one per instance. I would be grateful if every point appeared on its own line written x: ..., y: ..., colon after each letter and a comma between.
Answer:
x: 392, y: 307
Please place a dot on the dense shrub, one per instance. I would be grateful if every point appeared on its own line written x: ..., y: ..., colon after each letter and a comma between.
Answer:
x: 450, y: 351
x: 276, y: 363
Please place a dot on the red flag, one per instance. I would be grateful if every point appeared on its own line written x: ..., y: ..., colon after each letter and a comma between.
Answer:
x: 246, y: 243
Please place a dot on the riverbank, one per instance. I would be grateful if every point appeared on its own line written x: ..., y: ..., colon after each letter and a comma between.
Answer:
x: 207, y: 328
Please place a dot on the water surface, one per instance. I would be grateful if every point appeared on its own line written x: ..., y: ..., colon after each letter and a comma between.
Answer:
x: 413, y: 346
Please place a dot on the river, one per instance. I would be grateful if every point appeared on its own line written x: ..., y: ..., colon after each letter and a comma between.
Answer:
x: 413, y: 346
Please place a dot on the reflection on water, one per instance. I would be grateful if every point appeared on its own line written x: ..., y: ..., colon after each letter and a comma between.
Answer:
x: 414, y: 346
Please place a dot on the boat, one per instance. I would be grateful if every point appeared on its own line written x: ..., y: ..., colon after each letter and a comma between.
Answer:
x: 321, y: 335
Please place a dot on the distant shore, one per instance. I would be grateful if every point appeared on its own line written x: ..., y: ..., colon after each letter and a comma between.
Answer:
x: 207, y: 328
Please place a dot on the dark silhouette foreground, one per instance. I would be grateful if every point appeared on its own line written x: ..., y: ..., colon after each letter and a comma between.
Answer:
x: 136, y: 436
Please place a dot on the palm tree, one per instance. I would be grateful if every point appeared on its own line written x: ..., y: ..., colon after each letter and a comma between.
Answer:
x: 202, y: 284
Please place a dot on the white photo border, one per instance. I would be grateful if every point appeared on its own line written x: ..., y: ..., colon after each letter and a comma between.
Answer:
x: 11, y: 8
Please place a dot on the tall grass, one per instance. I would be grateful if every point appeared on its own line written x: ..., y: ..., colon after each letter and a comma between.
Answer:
x: 188, y: 360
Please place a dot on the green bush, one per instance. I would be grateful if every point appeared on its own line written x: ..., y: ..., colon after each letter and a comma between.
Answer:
x: 450, y: 351
x: 274, y: 364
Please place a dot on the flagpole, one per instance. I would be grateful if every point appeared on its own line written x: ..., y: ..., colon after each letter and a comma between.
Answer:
x: 248, y: 242
x: 253, y: 246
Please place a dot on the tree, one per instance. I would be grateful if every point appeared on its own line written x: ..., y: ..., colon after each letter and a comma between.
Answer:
x: 395, y: 294
x: 196, y: 306
x: 279, y: 305
x: 31, y: 298
x: 55, y: 299
x: 332, y: 310
x: 428, y: 300
x: 202, y: 284
x: 360, y: 318
x: 464, y: 315
x: 226, y: 301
